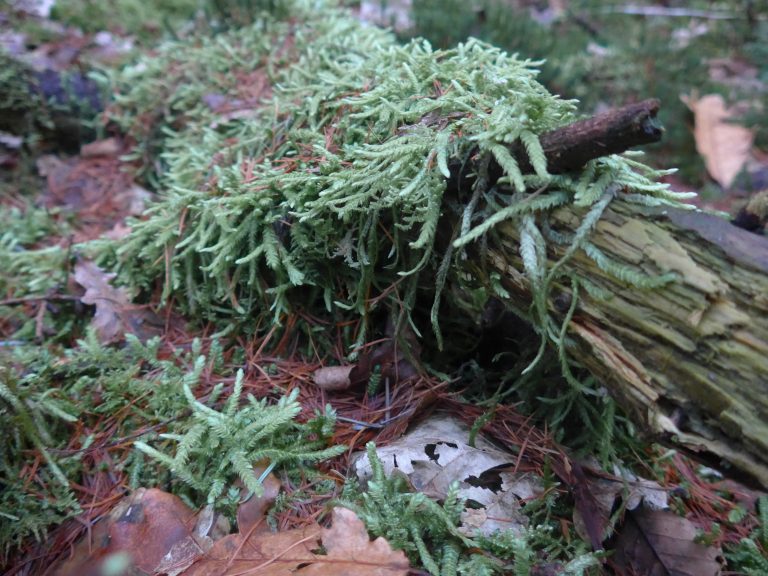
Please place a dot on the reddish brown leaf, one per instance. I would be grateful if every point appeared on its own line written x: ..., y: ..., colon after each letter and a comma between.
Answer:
x: 145, y: 525
x: 250, y: 514
x: 349, y: 552
x: 352, y: 553
x: 724, y: 145
x: 262, y: 553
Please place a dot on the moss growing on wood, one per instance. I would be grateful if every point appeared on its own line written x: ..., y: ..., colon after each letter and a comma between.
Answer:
x: 305, y: 166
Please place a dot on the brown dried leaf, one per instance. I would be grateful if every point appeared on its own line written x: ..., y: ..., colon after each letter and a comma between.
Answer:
x: 115, y: 315
x: 660, y: 543
x: 263, y: 553
x: 628, y: 488
x: 251, y: 513
x: 106, y: 147
x: 159, y: 534
x: 352, y: 553
x: 145, y: 526
x: 333, y: 377
x: 725, y: 146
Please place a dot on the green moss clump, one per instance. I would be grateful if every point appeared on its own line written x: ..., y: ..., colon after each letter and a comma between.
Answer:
x: 91, y: 404
x: 322, y: 189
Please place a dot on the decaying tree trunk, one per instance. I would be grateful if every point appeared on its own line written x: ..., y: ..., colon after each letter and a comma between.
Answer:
x: 689, y: 361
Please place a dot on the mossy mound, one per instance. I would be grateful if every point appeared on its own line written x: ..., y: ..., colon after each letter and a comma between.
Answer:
x: 303, y: 169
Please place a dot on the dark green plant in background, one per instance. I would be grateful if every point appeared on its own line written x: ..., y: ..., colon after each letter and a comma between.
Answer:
x: 144, y: 19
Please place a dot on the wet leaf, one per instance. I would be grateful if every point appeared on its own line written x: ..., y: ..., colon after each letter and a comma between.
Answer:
x: 142, y: 528
x: 660, y: 543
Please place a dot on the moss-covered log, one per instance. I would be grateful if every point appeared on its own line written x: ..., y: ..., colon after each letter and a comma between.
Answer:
x: 690, y: 360
x: 330, y: 196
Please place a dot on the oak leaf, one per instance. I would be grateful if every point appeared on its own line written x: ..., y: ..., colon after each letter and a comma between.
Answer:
x: 115, y: 315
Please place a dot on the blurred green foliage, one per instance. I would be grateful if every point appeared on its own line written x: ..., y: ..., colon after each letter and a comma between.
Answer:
x: 605, y: 55
x: 139, y: 17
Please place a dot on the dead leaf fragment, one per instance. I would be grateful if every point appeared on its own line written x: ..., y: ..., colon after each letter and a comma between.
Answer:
x: 251, y: 513
x: 349, y: 552
x: 629, y: 489
x: 115, y: 315
x: 725, y: 146
x: 352, y: 553
x: 106, y: 147
x: 660, y: 543
x: 435, y: 454
x: 144, y: 526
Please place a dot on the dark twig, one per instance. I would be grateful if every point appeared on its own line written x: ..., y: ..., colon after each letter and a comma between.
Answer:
x: 571, y: 147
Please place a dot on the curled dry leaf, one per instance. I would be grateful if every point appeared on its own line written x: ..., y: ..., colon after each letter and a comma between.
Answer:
x: 333, y: 377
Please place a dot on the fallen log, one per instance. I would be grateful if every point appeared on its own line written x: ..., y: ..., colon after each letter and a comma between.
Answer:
x: 688, y: 361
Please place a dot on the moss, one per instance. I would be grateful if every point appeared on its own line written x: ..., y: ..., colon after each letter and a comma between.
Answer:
x: 315, y: 179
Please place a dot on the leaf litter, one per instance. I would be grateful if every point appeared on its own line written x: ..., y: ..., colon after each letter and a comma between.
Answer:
x: 115, y: 315
x: 154, y: 532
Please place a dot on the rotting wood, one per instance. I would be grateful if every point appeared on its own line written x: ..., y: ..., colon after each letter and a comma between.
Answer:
x: 612, y: 132
x: 689, y: 361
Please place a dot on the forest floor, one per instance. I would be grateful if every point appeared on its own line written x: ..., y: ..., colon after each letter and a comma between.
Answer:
x: 88, y: 372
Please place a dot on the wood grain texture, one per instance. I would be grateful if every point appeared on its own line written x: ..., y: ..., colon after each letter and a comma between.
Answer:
x: 689, y: 361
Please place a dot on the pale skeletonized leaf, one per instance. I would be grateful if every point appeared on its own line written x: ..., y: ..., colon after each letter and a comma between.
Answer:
x: 436, y: 453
